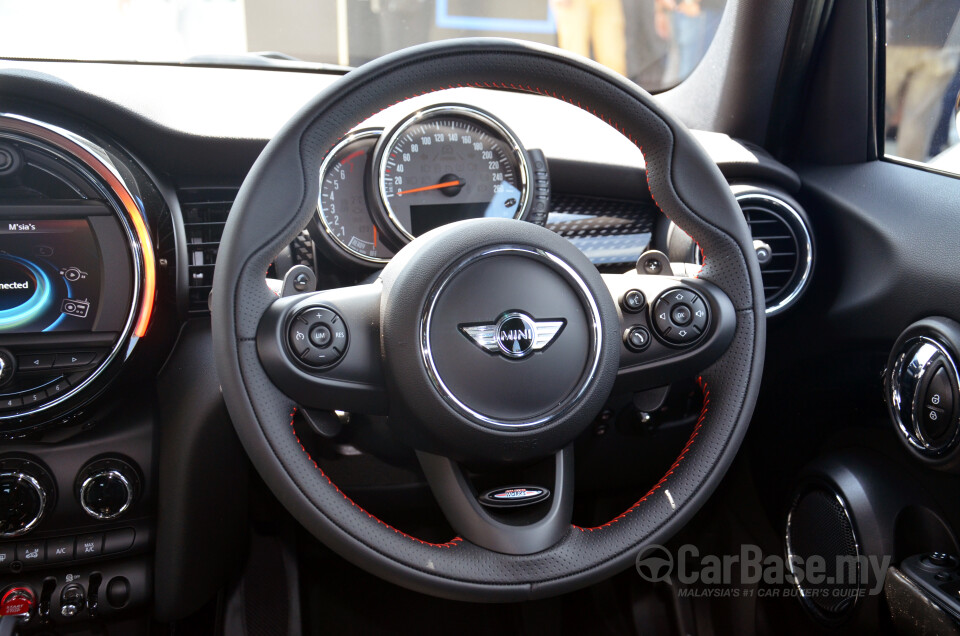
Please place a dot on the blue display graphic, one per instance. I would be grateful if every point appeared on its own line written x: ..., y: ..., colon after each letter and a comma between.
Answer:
x: 26, y: 292
x: 49, y: 276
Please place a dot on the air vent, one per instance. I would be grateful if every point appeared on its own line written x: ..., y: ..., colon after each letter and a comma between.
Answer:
x: 778, y: 225
x: 205, y: 213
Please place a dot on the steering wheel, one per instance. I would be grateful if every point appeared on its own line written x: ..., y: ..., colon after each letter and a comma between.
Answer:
x: 488, y: 342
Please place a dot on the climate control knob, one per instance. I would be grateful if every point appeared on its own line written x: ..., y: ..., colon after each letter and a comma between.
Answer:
x: 23, y: 501
x: 107, y: 488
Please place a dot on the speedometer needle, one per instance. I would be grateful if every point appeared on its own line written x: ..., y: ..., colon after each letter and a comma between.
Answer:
x: 437, y: 186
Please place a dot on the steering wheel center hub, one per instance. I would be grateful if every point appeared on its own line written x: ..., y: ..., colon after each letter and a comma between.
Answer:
x: 511, y: 336
x: 493, y: 331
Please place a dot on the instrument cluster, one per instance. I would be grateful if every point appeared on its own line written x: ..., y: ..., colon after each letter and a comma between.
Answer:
x: 380, y: 189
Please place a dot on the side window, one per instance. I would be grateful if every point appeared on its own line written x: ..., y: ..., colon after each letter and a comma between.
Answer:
x: 922, y: 82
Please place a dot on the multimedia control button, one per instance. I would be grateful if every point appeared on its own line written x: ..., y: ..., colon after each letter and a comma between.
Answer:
x: 636, y: 339
x: 56, y: 388
x: 33, y: 362
x: 681, y: 315
x: 59, y: 550
x: 683, y: 335
x: 661, y: 315
x: 680, y: 296
x: 31, y: 552
x: 700, y: 314
x: 633, y: 301
x: 33, y: 397
x: 76, y: 359
x: 9, y: 402
x: 89, y: 545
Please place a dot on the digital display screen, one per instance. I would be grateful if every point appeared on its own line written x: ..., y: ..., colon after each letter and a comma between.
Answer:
x: 49, y: 276
x: 424, y: 218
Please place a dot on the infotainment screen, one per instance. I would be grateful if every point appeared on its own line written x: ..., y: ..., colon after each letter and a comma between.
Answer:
x: 49, y: 275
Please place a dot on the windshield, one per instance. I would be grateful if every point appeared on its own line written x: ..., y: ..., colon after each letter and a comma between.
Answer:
x: 656, y: 43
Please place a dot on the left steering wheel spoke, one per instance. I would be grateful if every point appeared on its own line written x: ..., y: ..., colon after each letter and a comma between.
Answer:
x: 670, y: 327
x: 323, y: 349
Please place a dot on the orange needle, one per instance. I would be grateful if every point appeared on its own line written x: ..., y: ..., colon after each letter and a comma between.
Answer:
x: 374, y: 237
x: 445, y: 184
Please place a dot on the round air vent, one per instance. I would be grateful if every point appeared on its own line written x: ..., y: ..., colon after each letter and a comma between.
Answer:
x: 784, y: 247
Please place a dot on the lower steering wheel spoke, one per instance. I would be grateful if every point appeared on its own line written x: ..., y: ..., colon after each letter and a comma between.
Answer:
x: 671, y: 327
x: 323, y: 349
x: 511, y: 518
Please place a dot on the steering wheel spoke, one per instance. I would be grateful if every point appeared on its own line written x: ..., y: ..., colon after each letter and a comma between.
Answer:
x: 670, y: 327
x: 323, y: 349
x: 511, y: 519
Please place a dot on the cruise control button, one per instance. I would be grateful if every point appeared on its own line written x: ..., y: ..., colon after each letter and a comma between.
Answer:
x: 59, y: 550
x: 31, y: 552
x: 35, y: 361
x: 320, y: 336
x: 89, y: 546
x: 76, y: 359
x: 299, y: 335
x: 681, y: 315
x: 636, y: 338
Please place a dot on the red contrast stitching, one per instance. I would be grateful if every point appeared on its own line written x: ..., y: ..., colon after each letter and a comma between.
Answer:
x: 449, y: 544
x: 670, y: 471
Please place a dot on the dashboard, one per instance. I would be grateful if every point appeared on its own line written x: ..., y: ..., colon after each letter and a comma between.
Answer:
x: 113, y: 199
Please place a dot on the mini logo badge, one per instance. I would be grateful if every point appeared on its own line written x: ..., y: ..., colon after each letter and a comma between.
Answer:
x: 514, y: 335
x: 514, y: 496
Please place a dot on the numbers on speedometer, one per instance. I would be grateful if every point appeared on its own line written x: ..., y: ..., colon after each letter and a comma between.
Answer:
x: 343, y: 210
x: 450, y: 163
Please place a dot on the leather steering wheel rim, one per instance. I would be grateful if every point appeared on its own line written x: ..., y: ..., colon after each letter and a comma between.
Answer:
x: 279, y: 197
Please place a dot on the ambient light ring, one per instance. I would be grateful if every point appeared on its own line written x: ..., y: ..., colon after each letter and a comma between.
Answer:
x: 95, y: 166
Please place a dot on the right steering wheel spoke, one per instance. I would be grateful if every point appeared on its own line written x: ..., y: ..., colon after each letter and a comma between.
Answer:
x: 670, y: 327
x: 323, y: 349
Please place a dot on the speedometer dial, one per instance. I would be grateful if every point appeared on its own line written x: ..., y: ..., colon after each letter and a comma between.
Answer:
x: 450, y: 163
x: 343, y: 208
